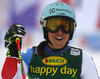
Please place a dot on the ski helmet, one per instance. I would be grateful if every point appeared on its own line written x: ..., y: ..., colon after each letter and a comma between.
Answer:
x: 53, y: 10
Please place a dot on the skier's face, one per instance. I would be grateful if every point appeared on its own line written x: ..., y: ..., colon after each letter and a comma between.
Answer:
x: 58, y: 39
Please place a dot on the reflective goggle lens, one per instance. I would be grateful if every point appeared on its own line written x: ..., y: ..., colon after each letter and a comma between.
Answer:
x: 66, y: 25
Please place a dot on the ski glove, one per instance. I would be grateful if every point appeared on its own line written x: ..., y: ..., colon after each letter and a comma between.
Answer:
x: 16, y: 30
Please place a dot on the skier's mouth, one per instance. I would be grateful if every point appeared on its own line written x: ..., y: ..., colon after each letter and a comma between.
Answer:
x: 59, y: 38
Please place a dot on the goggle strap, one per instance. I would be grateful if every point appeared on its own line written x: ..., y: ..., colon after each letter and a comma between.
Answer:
x: 43, y: 22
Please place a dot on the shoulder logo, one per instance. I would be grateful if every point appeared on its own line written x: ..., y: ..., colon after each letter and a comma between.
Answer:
x: 54, y: 61
x: 75, y: 52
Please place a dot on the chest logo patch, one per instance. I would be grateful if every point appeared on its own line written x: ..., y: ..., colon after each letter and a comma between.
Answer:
x: 75, y: 52
x: 54, y: 61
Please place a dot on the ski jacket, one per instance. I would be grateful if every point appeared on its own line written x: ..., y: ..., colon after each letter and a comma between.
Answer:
x: 72, y: 63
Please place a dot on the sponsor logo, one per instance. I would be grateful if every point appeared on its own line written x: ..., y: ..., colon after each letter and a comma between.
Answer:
x: 54, y: 61
x: 53, y: 70
x: 63, y: 10
x: 53, y: 10
x: 75, y: 52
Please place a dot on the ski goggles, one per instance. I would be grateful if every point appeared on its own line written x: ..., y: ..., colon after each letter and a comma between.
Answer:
x: 66, y: 25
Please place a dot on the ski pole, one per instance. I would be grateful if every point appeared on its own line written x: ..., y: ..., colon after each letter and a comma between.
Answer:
x: 20, y: 57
